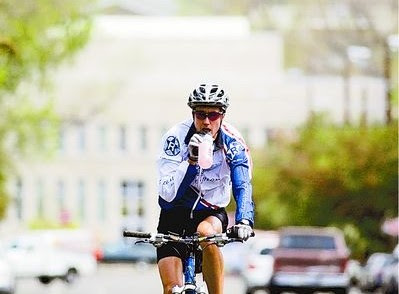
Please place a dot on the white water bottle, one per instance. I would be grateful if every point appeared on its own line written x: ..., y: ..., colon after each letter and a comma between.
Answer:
x: 205, y: 152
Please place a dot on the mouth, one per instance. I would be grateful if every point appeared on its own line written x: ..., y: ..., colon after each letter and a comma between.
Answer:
x: 206, y: 130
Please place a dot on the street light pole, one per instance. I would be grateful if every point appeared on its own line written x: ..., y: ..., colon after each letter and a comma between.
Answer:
x: 390, y: 44
x: 358, y: 55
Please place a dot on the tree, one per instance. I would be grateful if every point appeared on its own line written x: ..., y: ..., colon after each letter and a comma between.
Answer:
x: 319, y: 34
x: 34, y: 37
x: 331, y: 176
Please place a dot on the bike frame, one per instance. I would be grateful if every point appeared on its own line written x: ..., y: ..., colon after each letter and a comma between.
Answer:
x: 190, y: 284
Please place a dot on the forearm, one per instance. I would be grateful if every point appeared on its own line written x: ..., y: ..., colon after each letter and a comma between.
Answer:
x: 242, y: 192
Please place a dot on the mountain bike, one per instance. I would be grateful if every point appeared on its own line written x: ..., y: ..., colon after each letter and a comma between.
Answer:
x: 189, y: 264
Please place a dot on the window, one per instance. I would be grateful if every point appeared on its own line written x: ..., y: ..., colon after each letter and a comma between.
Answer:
x: 266, y: 251
x: 102, y: 138
x: 102, y: 193
x: 143, y: 137
x: 61, y: 195
x: 122, y: 138
x: 132, y: 193
x: 61, y: 139
x: 81, y: 200
x: 81, y: 137
x: 308, y: 242
x: 40, y: 198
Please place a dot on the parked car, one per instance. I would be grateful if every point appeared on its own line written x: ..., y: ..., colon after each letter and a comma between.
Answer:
x: 372, y: 271
x: 309, y: 259
x: 127, y: 251
x: 36, y: 255
x: 390, y: 274
x: 7, y: 277
x: 259, y: 263
x: 232, y: 264
x: 355, y: 272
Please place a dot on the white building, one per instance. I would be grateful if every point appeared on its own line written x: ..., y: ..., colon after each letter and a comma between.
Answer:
x: 131, y: 83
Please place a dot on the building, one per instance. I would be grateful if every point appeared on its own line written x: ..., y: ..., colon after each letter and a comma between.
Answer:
x: 131, y: 83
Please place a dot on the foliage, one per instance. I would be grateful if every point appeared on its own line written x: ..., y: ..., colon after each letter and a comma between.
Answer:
x: 219, y: 7
x: 37, y: 34
x: 34, y: 37
x: 341, y: 176
x: 45, y: 224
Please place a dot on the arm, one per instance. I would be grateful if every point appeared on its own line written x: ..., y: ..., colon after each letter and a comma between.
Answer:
x: 240, y: 168
x: 174, y: 178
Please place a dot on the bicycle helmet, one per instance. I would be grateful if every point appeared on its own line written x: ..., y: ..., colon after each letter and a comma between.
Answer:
x: 208, y: 95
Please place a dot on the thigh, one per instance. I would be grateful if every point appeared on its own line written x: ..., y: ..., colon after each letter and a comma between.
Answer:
x: 211, y: 221
x: 173, y: 221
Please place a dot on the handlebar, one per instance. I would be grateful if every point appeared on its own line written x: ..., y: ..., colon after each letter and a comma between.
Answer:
x: 136, y: 234
x: 158, y: 239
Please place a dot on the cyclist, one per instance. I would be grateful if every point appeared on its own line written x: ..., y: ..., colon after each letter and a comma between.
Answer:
x: 194, y: 200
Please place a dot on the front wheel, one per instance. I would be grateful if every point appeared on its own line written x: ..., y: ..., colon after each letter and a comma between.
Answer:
x: 45, y: 280
x: 274, y: 290
x: 71, y: 276
x: 341, y: 291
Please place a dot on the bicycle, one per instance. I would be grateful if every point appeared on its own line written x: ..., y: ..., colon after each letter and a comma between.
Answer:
x: 189, y: 266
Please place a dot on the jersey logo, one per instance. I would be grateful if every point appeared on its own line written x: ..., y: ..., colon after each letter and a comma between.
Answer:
x: 172, y: 146
x: 233, y: 149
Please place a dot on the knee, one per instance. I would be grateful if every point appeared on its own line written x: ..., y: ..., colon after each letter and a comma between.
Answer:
x: 209, y: 227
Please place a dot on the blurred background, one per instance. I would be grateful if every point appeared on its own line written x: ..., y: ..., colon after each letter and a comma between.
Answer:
x: 88, y: 87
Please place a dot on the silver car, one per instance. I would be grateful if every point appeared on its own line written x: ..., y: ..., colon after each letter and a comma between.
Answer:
x: 258, y: 269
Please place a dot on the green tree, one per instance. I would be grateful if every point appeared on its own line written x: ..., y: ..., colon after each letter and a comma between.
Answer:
x: 331, y: 176
x: 35, y: 36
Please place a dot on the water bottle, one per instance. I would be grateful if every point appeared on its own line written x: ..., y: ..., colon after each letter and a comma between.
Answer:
x: 205, y: 151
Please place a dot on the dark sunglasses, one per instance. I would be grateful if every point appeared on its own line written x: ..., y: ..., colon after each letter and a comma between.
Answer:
x: 201, y: 115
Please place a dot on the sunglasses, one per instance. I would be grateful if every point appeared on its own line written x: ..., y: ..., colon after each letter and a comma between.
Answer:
x: 201, y: 115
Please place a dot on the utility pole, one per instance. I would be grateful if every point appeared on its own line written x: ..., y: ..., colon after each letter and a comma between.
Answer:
x: 388, y: 83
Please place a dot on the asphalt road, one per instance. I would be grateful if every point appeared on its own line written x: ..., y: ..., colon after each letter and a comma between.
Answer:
x: 114, y: 279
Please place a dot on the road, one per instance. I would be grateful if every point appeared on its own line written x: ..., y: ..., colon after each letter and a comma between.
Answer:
x: 114, y: 279
x: 120, y: 279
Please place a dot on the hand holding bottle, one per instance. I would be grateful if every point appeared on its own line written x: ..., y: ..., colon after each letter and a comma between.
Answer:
x: 205, y: 151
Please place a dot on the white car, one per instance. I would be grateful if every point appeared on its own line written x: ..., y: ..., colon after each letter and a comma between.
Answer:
x: 7, y: 278
x: 389, y: 275
x: 259, y: 261
x: 37, y: 256
x: 372, y: 279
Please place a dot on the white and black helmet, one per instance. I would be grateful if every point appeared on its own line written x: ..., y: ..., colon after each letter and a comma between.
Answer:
x: 208, y: 95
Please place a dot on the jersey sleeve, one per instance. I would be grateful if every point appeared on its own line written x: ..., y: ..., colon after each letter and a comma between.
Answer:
x: 240, y: 163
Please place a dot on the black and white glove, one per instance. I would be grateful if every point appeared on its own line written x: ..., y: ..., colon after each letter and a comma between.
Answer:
x: 242, y: 230
x: 195, y: 140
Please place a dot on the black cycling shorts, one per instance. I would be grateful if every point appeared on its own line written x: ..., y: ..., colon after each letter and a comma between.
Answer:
x: 178, y: 221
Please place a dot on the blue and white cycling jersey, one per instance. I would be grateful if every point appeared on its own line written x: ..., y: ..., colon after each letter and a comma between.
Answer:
x: 185, y: 185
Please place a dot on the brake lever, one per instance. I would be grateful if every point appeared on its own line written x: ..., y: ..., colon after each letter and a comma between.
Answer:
x: 141, y: 241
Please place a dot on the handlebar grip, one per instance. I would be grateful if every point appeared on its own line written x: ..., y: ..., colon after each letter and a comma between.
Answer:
x: 136, y: 234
